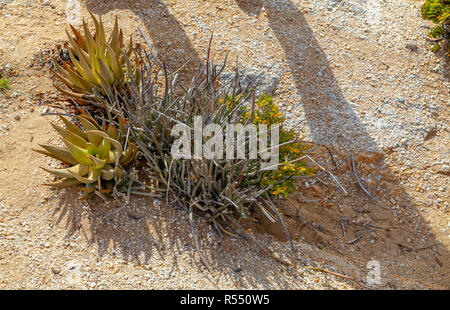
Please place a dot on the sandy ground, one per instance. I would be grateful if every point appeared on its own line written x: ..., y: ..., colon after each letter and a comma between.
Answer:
x: 359, y: 73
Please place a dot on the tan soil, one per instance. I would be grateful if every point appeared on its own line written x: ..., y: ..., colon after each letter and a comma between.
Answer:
x: 49, y: 239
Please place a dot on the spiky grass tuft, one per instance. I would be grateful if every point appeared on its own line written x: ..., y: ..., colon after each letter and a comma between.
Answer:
x: 223, y: 190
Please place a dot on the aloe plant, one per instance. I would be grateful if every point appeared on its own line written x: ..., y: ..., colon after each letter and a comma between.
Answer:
x: 96, y: 155
x: 96, y: 62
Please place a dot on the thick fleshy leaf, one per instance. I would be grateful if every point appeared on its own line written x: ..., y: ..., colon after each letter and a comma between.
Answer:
x: 78, y: 37
x: 112, y: 131
x: 129, y: 155
x: 112, y: 60
x: 119, y: 173
x: 111, y: 158
x: 66, y: 81
x: 60, y: 69
x: 114, y: 39
x: 72, y: 41
x: 75, y: 62
x: 64, y: 183
x: 87, y: 124
x: 84, y: 69
x: 91, y: 47
x: 88, y: 190
x: 79, y: 81
x: 130, y: 47
x: 122, y: 124
x: 64, y: 173
x: 61, y: 173
x: 76, y: 50
x: 95, y: 61
x: 137, y: 74
x: 79, y: 96
x: 104, y: 148
x: 108, y: 173
x: 88, y: 117
x: 104, y: 72
x: 95, y: 139
x: 99, y: 163
x: 57, y: 153
x: 120, y: 46
x: 91, y: 178
x: 90, y: 126
x: 81, y: 169
x: 92, y: 149
x: 73, y: 128
x: 117, y: 146
x: 69, y: 136
x: 82, y: 56
x: 81, y: 155
x: 99, y: 30
x: 129, y: 67
x: 102, y: 31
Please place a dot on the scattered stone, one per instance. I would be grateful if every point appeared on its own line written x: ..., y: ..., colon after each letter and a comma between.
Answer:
x: 412, y: 47
x: 264, y: 79
x: 56, y: 270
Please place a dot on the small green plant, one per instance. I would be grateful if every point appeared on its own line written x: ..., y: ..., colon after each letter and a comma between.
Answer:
x: 96, y: 155
x: 436, y: 48
x: 4, y: 83
x: 438, y: 11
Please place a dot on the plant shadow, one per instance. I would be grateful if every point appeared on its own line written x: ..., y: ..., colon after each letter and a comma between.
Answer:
x: 165, y: 32
x: 325, y: 108
x: 146, y: 230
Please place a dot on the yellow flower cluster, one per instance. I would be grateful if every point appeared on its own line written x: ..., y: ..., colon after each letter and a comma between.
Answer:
x: 288, y: 166
x: 280, y: 190
x: 267, y: 112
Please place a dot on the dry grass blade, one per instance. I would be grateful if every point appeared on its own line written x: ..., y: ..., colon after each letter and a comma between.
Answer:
x: 359, y: 181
